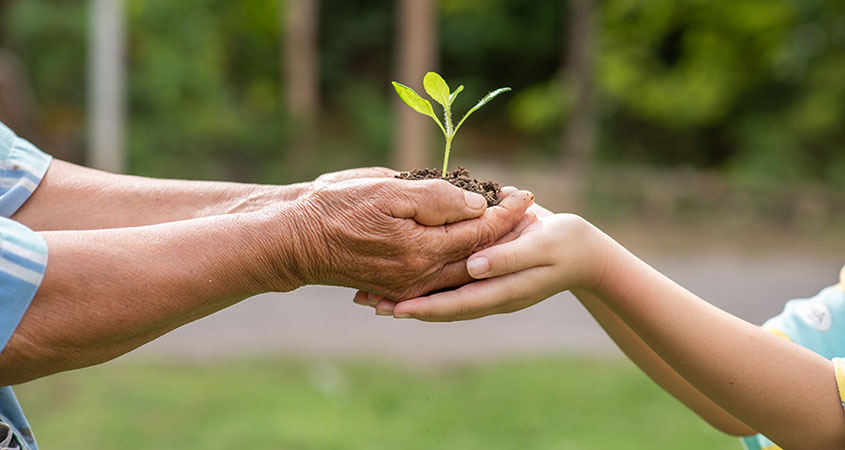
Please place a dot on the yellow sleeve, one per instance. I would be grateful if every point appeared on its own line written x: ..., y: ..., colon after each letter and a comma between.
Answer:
x: 777, y: 332
x: 839, y: 370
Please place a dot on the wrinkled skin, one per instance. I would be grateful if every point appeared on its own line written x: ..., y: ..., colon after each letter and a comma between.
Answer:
x: 350, y: 174
x: 397, y: 238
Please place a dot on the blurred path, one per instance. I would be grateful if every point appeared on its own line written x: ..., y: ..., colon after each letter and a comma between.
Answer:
x: 323, y: 321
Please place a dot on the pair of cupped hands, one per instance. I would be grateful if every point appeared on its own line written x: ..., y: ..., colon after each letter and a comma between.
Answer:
x: 431, y: 251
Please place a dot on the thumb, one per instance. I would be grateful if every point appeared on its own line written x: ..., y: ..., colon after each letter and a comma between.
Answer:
x: 463, y: 238
x: 437, y: 202
x: 526, y: 251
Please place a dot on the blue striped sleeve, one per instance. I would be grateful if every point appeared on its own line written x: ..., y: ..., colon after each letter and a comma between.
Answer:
x: 23, y: 260
x: 22, y: 166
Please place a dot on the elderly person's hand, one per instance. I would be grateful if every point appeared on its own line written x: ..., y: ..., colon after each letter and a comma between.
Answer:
x: 107, y: 291
x: 350, y: 174
x: 394, y: 237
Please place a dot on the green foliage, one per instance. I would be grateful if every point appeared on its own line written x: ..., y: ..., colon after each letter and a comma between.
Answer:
x: 748, y: 88
x: 417, y: 103
x: 751, y: 87
x: 51, y: 38
x: 541, y: 108
x: 436, y: 87
x: 548, y: 404
x: 201, y: 93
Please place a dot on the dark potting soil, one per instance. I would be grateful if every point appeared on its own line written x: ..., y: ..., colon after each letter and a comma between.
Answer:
x: 460, y: 178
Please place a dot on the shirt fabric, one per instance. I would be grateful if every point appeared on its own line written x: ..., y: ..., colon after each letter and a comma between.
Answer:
x: 23, y: 259
x: 816, y: 323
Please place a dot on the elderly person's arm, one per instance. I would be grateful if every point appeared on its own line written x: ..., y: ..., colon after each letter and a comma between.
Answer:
x: 106, y: 292
x: 72, y: 197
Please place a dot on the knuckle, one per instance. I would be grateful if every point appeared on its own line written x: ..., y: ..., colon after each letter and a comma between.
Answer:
x: 464, y: 310
x: 486, y: 234
x: 509, y: 262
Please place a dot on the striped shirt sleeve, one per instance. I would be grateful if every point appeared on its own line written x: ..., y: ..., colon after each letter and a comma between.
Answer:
x: 23, y: 253
x: 23, y: 259
x: 22, y: 166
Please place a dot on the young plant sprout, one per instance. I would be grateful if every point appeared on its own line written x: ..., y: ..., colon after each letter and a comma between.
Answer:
x: 438, y: 90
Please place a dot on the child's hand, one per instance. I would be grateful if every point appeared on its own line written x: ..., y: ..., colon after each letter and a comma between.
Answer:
x: 556, y: 253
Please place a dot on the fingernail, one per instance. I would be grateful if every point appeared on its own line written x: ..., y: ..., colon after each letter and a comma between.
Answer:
x: 474, y: 201
x: 478, y: 266
x: 383, y: 312
x: 372, y: 299
x: 402, y: 316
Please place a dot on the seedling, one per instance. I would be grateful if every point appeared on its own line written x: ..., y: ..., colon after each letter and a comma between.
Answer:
x: 438, y: 90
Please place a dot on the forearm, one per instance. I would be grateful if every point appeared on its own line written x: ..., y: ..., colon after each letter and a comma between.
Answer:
x: 780, y: 389
x: 106, y: 292
x: 72, y: 197
x: 652, y: 365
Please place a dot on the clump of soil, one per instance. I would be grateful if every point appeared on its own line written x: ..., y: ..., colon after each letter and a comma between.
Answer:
x: 460, y: 178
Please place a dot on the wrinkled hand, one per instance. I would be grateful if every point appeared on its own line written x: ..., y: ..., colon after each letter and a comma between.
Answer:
x: 398, y: 238
x: 555, y: 253
x: 350, y: 174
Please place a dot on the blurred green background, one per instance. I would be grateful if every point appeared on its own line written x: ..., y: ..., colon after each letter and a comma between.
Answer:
x: 722, y: 118
x: 739, y: 104
x: 554, y: 404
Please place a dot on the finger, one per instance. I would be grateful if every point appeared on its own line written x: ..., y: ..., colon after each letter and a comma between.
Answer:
x: 473, y: 235
x: 385, y: 307
x: 436, y: 202
x: 351, y: 174
x: 360, y: 298
x: 365, y: 298
x: 536, y: 208
x: 528, y: 219
x: 507, y: 190
x: 450, y: 275
x: 527, y: 251
x: 481, y: 298
x: 540, y: 211
x: 378, y: 172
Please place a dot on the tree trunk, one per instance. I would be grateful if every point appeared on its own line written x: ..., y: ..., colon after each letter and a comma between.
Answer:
x: 106, y: 76
x: 4, y: 6
x: 17, y: 102
x: 416, y: 54
x: 579, y: 132
x: 302, y: 79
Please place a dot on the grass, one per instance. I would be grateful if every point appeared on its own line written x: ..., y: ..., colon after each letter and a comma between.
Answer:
x: 555, y: 404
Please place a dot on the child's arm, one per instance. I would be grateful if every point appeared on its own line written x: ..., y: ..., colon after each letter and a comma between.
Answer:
x: 778, y: 388
x: 663, y: 374
x: 630, y: 344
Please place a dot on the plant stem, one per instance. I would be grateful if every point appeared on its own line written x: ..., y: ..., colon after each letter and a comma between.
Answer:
x: 446, y: 155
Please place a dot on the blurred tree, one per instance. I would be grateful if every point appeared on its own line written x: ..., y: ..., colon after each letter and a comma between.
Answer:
x: 106, y: 87
x: 743, y: 85
x: 301, y: 71
x: 416, y: 54
x: 17, y: 105
x: 4, y: 6
x: 578, y: 135
x: 749, y: 88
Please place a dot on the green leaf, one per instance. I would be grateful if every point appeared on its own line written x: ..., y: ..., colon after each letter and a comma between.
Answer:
x: 436, y: 88
x: 454, y: 95
x: 481, y: 103
x: 417, y: 103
